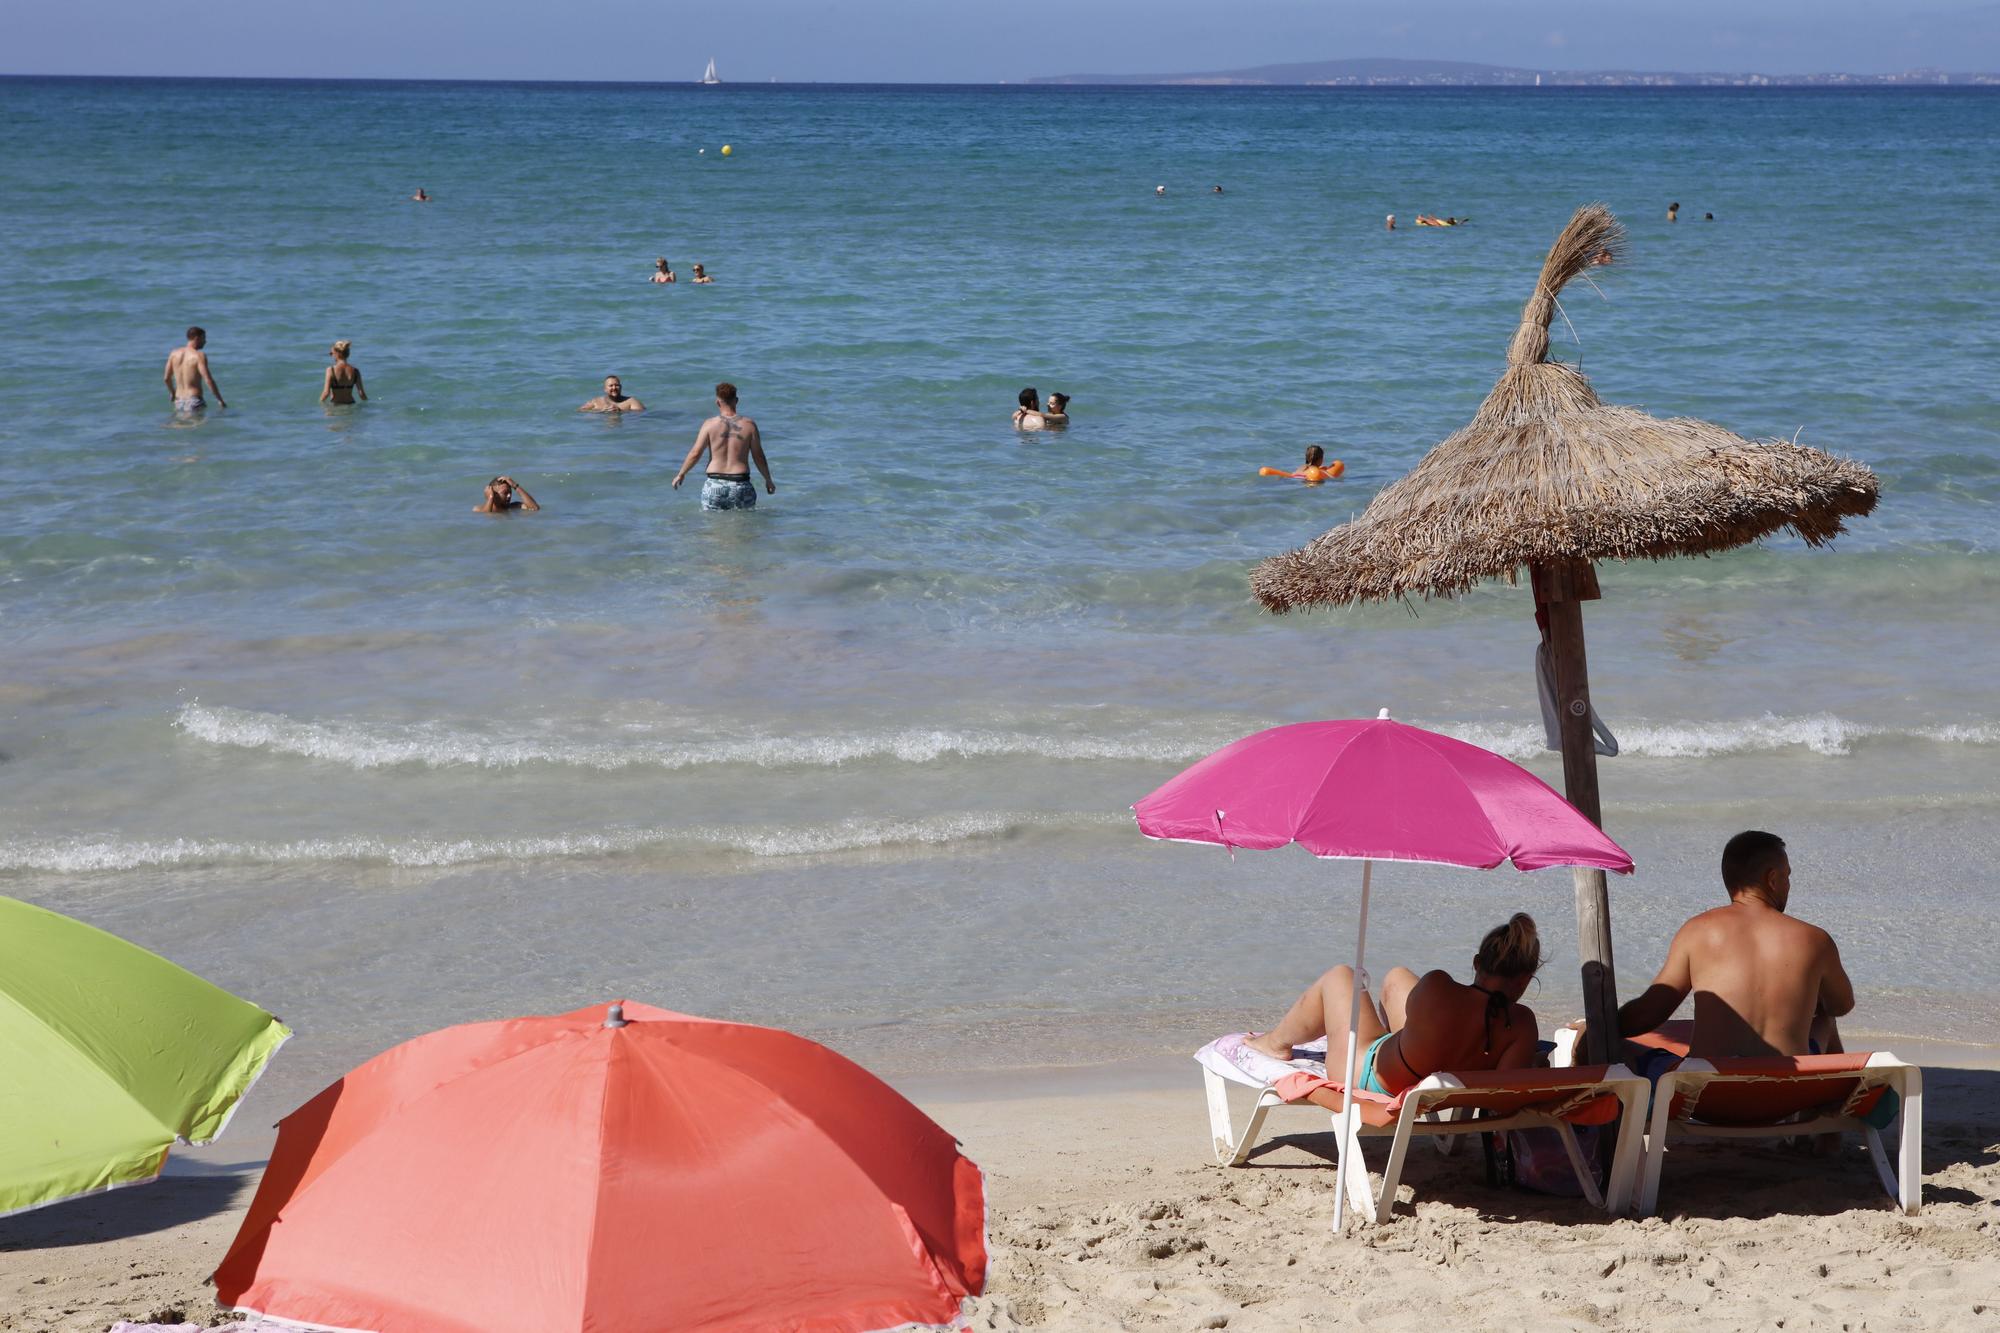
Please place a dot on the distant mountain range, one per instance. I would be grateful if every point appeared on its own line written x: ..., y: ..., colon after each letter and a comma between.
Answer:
x: 1459, y: 74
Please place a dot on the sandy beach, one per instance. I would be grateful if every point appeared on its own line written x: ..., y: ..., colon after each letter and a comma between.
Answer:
x: 1105, y: 1215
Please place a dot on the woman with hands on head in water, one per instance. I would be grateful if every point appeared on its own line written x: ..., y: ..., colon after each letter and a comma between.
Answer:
x: 1425, y: 1024
x: 504, y: 494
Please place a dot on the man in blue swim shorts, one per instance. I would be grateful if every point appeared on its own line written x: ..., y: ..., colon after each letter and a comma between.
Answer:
x: 732, y: 444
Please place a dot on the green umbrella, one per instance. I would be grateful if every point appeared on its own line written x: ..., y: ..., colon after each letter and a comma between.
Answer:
x: 108, y: 1056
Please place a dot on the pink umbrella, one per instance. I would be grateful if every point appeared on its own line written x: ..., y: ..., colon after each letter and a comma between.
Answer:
x: 1375, y: 791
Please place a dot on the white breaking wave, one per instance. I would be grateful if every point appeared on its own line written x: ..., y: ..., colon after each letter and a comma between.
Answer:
x: 1821, y: 733
x: 77, y: 855
x: 430, y: 745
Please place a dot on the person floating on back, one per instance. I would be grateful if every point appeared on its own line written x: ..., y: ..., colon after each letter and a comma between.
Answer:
x: 664, y: 272
x: 343, y: 381
x: 1764, y: 983
x: 613, y: 399
x: 187, y: 370
x: 504, y: 494
x: 732, y: 443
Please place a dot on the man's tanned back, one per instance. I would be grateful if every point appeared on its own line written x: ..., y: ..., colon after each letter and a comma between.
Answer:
x: 1758, y: 978
x: 1763, y: 982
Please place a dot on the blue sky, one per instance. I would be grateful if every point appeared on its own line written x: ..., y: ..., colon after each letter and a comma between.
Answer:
x: 973, y: 40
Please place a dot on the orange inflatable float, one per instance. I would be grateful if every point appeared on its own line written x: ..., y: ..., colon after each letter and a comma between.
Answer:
x: 1311, y: 476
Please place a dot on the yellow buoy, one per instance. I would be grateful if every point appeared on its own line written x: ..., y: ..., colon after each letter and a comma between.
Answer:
x: 727, y: 150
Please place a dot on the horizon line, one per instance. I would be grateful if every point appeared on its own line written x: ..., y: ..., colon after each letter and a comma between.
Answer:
x: 1103, y: 80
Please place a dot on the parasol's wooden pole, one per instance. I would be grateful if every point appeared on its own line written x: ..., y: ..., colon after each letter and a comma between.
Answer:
x: 1561, y: 592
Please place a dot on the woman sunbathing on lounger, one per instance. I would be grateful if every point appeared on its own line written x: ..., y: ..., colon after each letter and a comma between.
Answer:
x: 1425, y: 1024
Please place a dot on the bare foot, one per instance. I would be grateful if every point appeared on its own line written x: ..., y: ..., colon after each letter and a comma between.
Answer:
x: 1264, y: 1046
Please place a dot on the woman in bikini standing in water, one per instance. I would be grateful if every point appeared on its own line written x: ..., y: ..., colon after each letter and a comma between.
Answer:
x: 342, y: 381
x: 1425, y: 1024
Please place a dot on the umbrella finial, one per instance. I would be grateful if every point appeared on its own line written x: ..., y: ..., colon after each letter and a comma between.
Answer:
x: 1592, y: 237
x: 615, y: 1018
x: 1382, y: 716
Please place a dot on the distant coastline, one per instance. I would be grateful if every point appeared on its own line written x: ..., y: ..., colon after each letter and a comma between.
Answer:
x: 1271, y: 76
x: 1459, y: 74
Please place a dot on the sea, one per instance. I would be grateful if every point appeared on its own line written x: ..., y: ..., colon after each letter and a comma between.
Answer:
x: 275, y: 702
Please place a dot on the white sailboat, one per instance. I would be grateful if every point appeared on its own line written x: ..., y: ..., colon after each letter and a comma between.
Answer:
x: 709, y: 77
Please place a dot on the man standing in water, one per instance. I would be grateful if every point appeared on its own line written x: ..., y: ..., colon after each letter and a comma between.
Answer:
x: 732, y: 444
x: 187, y: 369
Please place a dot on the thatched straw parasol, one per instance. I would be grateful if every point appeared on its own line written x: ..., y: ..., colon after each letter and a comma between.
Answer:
x: 1545, y: 477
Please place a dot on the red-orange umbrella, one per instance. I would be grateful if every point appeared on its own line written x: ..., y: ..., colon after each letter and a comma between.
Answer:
x: 610, y: 1169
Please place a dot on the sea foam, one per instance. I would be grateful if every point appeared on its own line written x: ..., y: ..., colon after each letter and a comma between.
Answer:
x: 1818, y: 733
x: 368, y: 745
x: 84, y: 855
x: 364, y: 745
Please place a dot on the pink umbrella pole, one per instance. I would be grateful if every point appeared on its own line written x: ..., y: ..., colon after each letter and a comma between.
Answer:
x: 1348, y: 1110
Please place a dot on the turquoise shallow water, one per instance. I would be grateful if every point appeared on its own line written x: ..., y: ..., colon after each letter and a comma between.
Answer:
x: 272, y: 659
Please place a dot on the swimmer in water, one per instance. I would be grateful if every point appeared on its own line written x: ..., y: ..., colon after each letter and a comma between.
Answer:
x: 1028, y: 416
x: 342, y: 380
x: 1674, y: 212
x: 1216, y: 190
x: 1390, y: 225
x: 1159, y: 189
x: 504, y: 494
x: 701, y: 275
x: 1316, y: 469
x: 613, y: 399
x: 663, y: 271
x: 1057, y: 411
x: 420, y: 197
x: 1708, y: 217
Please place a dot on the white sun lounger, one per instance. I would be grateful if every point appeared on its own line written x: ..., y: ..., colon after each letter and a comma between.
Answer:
x: 1779, y: 1096
x: 1442, y: 1106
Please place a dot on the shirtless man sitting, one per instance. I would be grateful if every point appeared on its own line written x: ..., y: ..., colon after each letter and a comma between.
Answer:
x: 613, y: 399
x: 732, y: 443
x: 1764, y: 983
x: 187, y: 369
